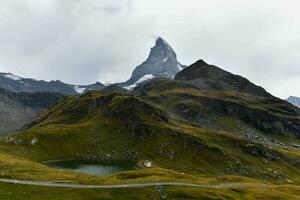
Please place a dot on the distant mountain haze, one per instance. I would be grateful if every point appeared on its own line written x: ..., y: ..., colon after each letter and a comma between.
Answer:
x: 17, y: 109
x: 294, y: 100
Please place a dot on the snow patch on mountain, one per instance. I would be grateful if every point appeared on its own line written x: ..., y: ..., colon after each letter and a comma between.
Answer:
x: 179, y: 67
x: 12, y: 76
x: 144, y: 78
x: 78, y: 89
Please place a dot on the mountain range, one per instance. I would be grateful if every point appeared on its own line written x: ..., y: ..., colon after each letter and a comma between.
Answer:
x: 16, y: 83
x: 161, y: 62
x: 15, y: 89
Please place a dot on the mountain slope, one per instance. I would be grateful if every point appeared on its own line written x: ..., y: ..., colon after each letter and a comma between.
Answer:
x: 17, y: 109
x: 161, y: 62
x: 210, y: 77
x: 18, y: 84
x: 114, y: 127
x: 294, y: 100
x: 242, y: 113
x: 214, y: 98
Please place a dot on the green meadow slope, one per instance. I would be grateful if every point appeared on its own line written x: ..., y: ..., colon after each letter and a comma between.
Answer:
x: 124, y: 127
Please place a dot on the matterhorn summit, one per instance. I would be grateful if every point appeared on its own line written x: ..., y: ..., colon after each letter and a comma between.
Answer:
x: 161, y: 63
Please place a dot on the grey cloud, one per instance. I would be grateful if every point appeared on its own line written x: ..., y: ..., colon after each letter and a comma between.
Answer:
x: 109, y: 9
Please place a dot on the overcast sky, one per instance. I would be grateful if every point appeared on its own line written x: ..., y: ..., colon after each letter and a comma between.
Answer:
x: 84, y: 41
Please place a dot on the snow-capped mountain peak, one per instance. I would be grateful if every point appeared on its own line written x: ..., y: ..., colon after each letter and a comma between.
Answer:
x: 11, y: 76
x: 79, y: 89
x: 161, y: 63
x: 161, y: 42
x: 162, y: 51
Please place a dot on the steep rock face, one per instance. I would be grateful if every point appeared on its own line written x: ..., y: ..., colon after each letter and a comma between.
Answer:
x: 18, y: 84
x: 206, y: 76
x: 17, y: 109
x: 294, y: 100
x: 161, y: 62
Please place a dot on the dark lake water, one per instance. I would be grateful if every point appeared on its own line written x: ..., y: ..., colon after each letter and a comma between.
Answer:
x: 94, y: 168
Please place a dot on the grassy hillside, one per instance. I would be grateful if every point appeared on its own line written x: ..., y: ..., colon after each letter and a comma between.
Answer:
x: 189, y: 135
x: 123, y: 127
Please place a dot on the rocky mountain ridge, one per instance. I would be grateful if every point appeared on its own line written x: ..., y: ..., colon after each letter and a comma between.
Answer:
x: 210, y: 77
x: 16, y: 83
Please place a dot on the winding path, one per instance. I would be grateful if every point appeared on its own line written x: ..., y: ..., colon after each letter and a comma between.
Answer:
x: 129, y: 185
